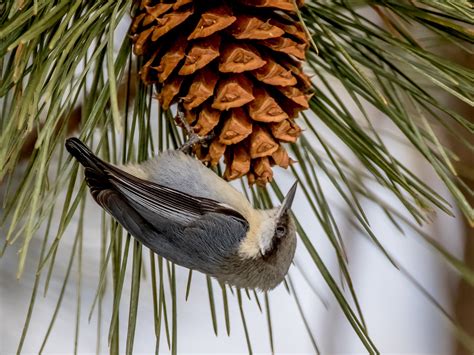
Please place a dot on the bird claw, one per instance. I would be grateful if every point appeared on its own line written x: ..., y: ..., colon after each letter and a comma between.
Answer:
x: 193, y: 138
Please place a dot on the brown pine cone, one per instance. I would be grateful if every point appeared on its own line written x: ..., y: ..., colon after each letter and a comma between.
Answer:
x: 236, y: 64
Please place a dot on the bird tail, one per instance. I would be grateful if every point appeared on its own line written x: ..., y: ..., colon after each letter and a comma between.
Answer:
x: 98, y: 175
x: 83, y: 154
x: 95, y: 169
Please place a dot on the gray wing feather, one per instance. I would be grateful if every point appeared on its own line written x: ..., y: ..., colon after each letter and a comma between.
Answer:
x: 211, y: 240
x: 203, y: 245
x: 154, y: 200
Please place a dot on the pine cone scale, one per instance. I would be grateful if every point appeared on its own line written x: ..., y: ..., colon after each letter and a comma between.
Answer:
x: 238, y: 58
x: 213, y: 21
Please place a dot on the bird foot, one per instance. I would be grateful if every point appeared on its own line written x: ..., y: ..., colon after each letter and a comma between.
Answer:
x: 193, y: 138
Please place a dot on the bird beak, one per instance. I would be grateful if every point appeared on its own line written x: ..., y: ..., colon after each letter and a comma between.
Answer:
x: 288, y: 201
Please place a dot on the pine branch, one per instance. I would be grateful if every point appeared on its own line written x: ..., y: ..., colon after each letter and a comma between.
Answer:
x: 57, y: 62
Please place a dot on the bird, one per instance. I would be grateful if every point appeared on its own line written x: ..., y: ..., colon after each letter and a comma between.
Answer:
x: 183, y: 211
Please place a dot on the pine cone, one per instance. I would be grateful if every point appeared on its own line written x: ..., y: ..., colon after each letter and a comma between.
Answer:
x: 236, y: 65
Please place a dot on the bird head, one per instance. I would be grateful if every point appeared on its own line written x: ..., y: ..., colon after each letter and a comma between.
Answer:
x: 280, y: 228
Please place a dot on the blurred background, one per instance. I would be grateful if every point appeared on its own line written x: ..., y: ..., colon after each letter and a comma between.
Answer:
x: 400, y: 318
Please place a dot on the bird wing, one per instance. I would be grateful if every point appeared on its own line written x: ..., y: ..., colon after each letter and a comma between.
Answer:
x: 194, y: 232
x: 159, y: 205
x: 117, y: 205
x: 154, y: 199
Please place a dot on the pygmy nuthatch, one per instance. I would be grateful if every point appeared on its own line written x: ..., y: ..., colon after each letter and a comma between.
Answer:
x: 186, y: 213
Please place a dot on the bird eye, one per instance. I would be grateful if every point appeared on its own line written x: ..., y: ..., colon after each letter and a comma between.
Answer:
x: 280, y: 230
